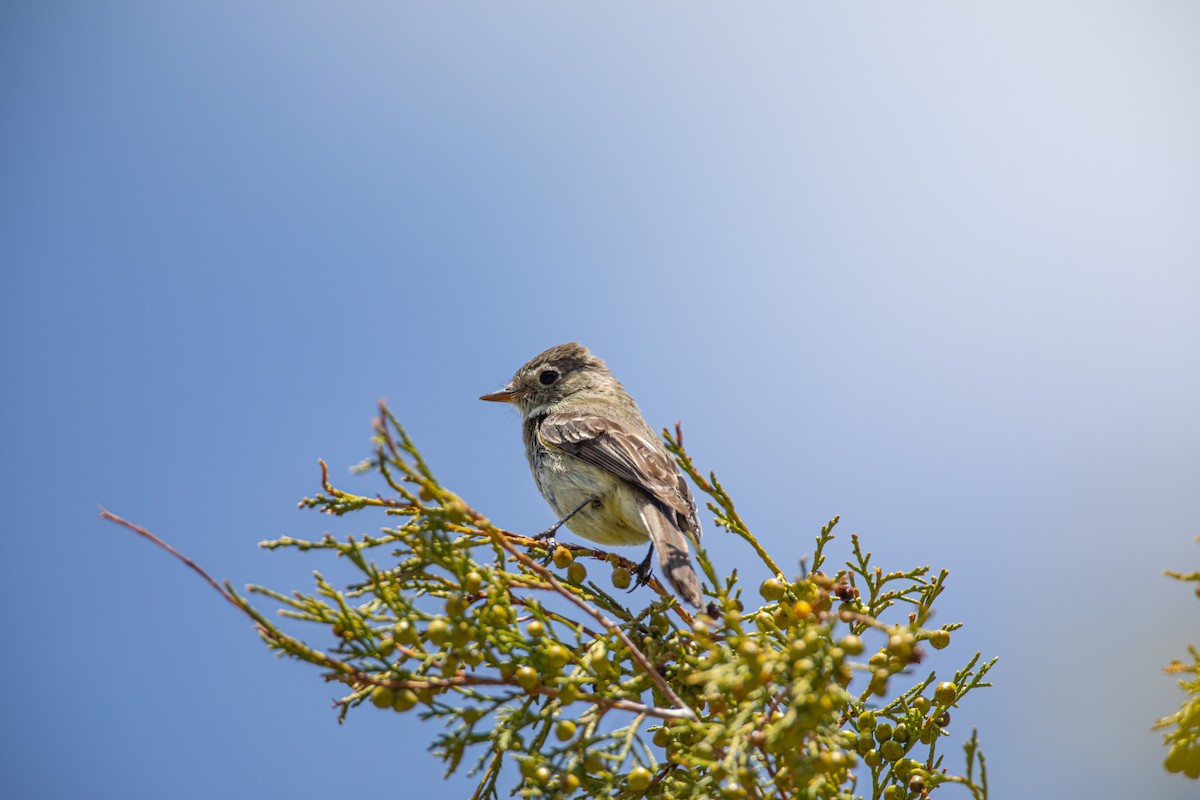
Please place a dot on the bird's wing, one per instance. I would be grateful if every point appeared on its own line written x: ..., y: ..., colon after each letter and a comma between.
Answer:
x: 627, y: 454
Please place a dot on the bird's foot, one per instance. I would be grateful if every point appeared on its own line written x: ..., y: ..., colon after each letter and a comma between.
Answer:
x: 547, y: 534
x: 553, y: 529
x: 547, y: 543
x: 645, y: 570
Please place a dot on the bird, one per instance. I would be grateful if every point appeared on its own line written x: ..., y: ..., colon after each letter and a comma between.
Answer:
x: 598, y: 464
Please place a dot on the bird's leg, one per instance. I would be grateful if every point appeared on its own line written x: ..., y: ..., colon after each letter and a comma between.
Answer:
x: 645, y: 570
x: 548, y: 534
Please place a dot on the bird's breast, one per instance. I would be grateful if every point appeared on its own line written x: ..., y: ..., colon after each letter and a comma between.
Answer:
x: 568, y: 482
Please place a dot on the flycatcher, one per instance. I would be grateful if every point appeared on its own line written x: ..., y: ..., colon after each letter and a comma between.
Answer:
x: 598, y: 464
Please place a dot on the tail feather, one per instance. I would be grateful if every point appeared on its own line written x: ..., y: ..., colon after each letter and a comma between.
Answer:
x: 673, y: 555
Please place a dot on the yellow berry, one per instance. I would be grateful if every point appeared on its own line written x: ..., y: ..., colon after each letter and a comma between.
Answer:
x: 639, y: 778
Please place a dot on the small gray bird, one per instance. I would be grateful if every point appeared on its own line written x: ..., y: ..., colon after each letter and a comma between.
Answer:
x: 598, y: 464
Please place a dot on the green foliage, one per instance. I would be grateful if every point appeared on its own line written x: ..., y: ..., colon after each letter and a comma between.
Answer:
x: 1183, y: 741
x: 532, y: 665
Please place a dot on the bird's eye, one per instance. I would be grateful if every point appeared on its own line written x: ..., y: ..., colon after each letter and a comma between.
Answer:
x: 547, y: 377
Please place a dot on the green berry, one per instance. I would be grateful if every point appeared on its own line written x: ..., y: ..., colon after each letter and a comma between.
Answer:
x: 564, y: 731
x: 621, y: 578
x: 557, y: 656
x: 461, y: 633
x: 382, y: 697
x: 527, y: 677
x: 472, y: 582
x: 945, y: 693
x: 438, y: 631
x: 456, y: 604
x: 900, y: 645
x: 404, y: 700
x: 405, y: 632
x: 772, y: 589
x: 852, y: 645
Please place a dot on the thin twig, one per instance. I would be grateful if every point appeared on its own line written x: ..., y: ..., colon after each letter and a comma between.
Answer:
x: 637, y: 655
x: 140, y: 531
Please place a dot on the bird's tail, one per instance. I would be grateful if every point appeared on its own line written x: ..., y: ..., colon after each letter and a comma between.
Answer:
x: 673, y: 556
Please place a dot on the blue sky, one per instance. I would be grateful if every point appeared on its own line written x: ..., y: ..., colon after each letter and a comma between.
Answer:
x: 933, y: 267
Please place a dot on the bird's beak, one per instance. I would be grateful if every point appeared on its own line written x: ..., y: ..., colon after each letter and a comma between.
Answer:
x: 505, y: 395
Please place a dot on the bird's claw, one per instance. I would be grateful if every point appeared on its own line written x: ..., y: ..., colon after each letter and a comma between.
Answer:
x: 549, y: 544
x: 644, y: 571
x: 546, y: 541
x: 547, y: 534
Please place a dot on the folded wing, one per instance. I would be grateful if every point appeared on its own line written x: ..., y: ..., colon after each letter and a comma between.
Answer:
x: 634, y: 456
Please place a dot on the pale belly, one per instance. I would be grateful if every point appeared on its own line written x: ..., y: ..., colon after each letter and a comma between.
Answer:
x: 614, y: 519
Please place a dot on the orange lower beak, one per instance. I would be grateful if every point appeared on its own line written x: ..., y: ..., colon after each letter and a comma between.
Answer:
x: 504, y: 396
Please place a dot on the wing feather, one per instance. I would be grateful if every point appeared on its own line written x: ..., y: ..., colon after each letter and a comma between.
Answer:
x: 634, y: 456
